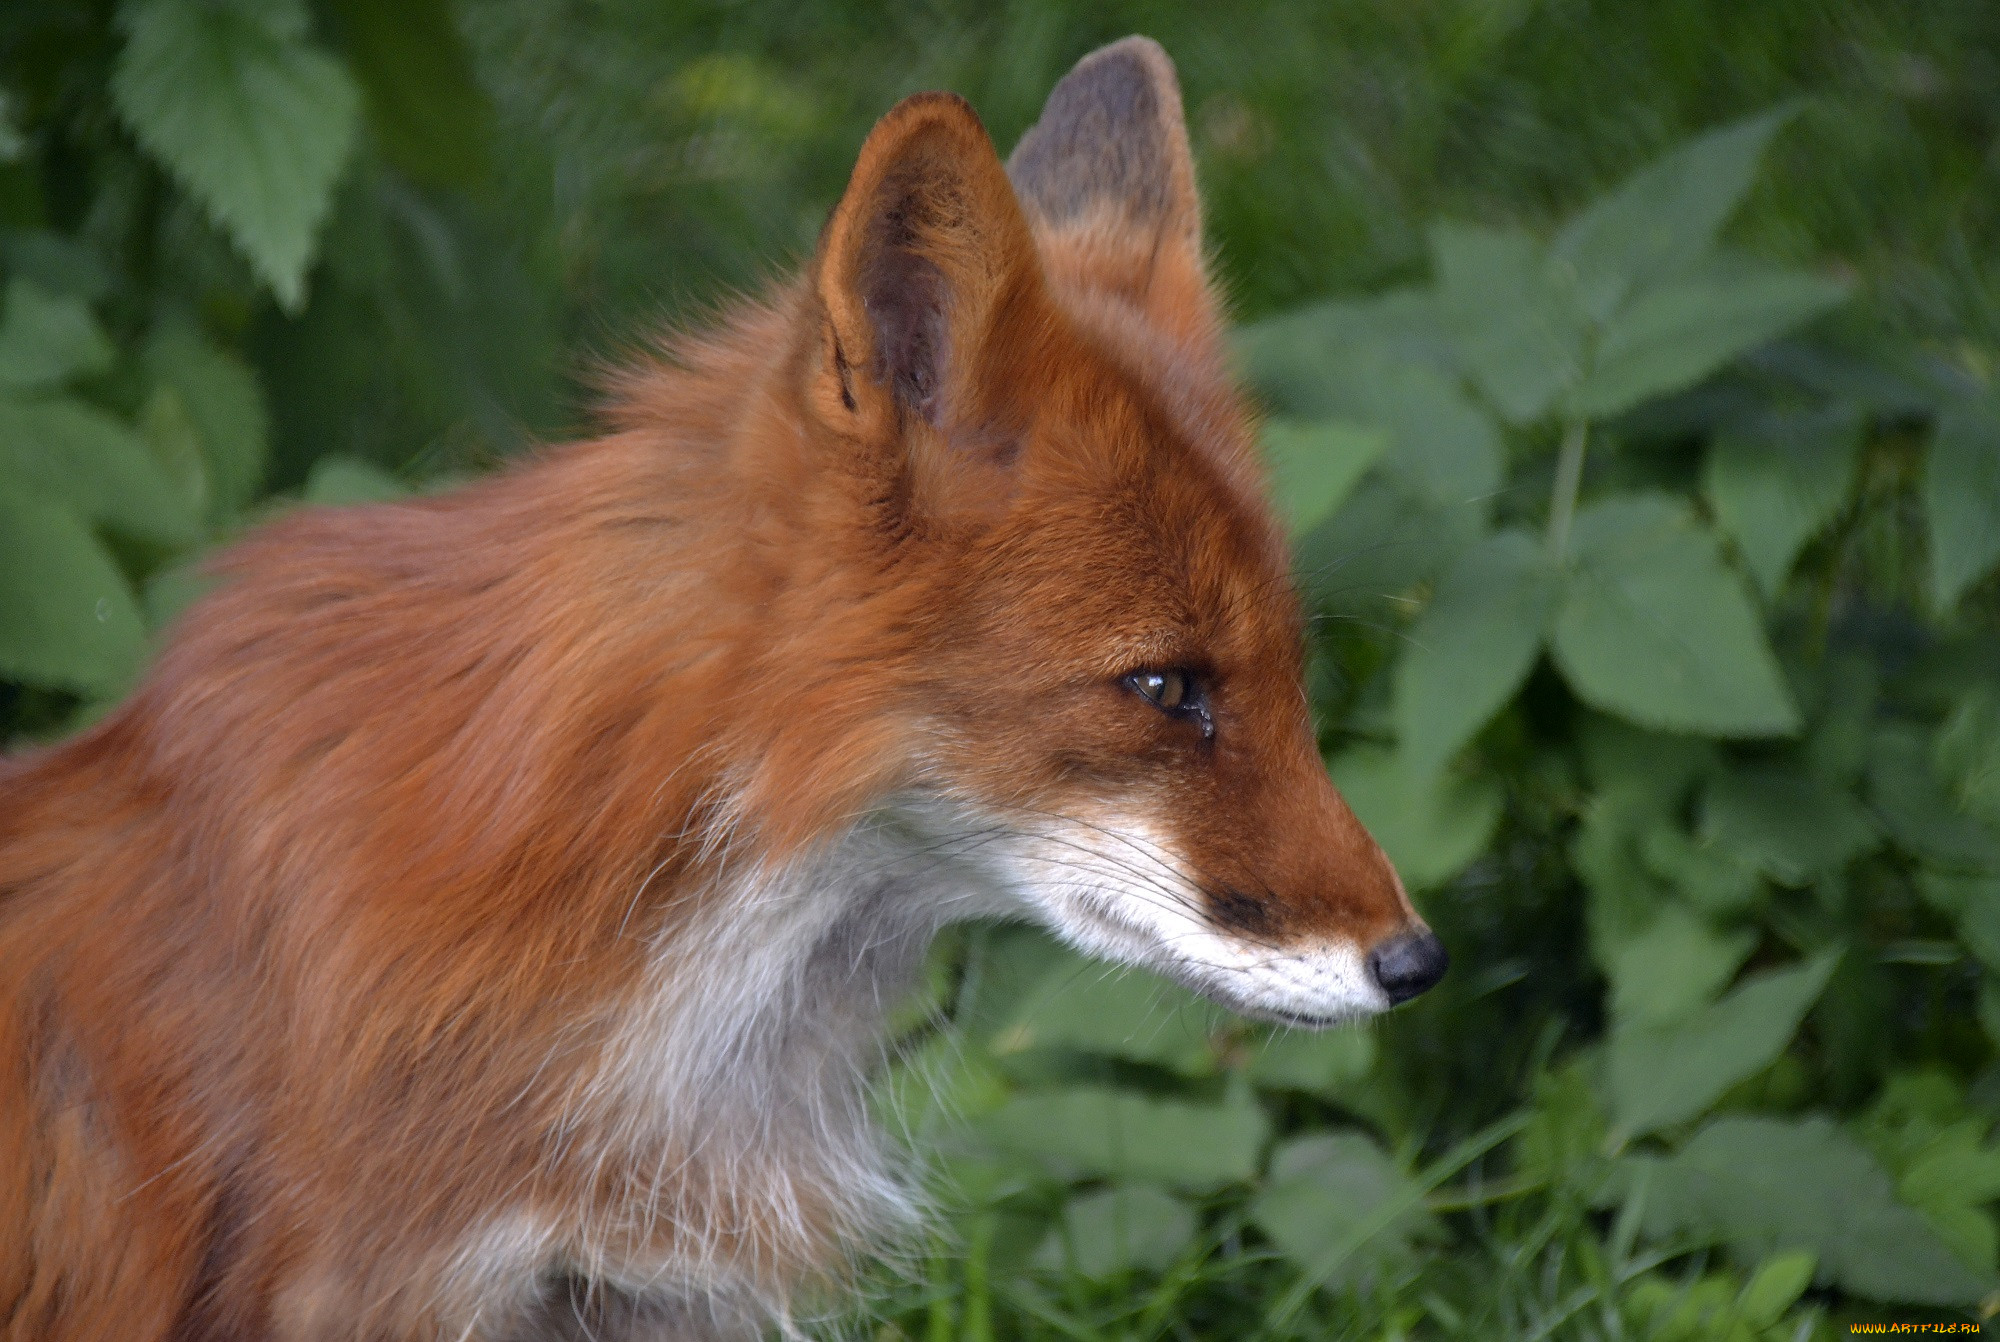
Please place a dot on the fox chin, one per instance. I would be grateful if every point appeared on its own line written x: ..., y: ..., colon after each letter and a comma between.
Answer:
x: 478, y: 922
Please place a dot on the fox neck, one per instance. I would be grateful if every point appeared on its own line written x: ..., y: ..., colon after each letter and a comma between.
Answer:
x: 732, y: 1092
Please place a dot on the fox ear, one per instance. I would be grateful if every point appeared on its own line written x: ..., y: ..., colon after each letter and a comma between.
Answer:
x: 924, y: 252
x: 1106, y: 175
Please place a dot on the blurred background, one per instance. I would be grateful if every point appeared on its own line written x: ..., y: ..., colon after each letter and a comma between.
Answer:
x: 1630, y: 378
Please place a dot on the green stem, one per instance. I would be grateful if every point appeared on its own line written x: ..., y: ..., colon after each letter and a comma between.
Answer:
x: 1569, y: 475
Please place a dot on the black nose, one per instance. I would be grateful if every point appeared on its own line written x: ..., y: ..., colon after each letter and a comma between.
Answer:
x: 1408, y: 964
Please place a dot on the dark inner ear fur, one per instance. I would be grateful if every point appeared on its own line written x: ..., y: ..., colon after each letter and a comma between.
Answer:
x: 1110, y: 133
x: 904, y: 293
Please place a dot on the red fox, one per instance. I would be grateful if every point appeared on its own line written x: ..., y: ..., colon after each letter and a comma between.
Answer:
x: 478, y: 923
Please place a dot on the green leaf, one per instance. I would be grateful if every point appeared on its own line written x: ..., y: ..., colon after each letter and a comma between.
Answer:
x: 1431, y: 826
x: 46, y: 339
x: 1311, y: 362
x: 1950, y: 1179
x: 1920, y: 814
x: 1385, y: 540
x: 1779, y: 1283
x: 1714, y: 879
x: 1319, y: 1062
x: 1083, y: 1005
x: 1672, y: 968
x: 1094, y: 1131
x: 1776, y: 486
x: 1767, y: 1184
x: 1788, y: 824
x: 1675, y: 333
x: 1665, y: 216
x: 1443, y: 448
x: 171, y: 591
x: 1653, y: 627
x: 1967, y: 753
x: 1515, y: 325
x: 1473, y: 646
x: 1315, y: 466
x: 1324, y: 1189
x: 66, y: 450
x: 67, y: 618
x: 341, y: 480
x: 1117, y: 1230
x: 249, y: 117
x: 1661, y: 1075
x: 225, y: 406
x: 1962, y: 498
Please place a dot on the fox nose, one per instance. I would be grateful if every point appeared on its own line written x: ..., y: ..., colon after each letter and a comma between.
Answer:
x: 1408, y: 963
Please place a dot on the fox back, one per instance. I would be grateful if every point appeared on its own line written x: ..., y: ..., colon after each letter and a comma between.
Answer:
x: 477, y: 923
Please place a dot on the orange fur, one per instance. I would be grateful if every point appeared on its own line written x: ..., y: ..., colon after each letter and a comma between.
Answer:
x: 413, y: 954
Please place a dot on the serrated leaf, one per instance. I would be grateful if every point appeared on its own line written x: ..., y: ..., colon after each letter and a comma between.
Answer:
x: 1430, y: 825
x: 1672, y: 968
x: 1473, y: 646
x: 67, y: 618
x: 1096, y: 1131
x: 1768, y: 1184
x: 1324, y: 1189
x: 1777, y: 484
x: 66, y: 450
x: 1653, y: 626
x: 1661, y: 1075
x: 250, y: 118
x: 1676, y: 332
x: 1315, y: 465
x: 1788, y: 824
x: 1513, y: 322
x: 1663, y: 217
x: 1962, y: 499
x: 225, y: 406
x: 46, y: 339
x: 1117, y: 1230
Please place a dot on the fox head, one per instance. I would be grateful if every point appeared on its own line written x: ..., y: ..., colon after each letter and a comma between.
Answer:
x: 1014, y: 376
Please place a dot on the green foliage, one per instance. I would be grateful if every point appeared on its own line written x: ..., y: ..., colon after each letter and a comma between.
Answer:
x: 250, y: 117
x: 1649, y: 528
x: 1760, y: 1184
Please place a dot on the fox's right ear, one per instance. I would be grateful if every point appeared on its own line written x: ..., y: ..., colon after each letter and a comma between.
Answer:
x: 924, y: 255
x: 1107, y: 178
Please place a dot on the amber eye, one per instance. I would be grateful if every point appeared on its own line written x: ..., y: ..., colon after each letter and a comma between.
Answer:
x: 1168, y: 689
x: 1177, y: 693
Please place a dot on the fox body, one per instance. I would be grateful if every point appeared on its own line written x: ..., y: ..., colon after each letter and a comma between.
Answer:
x: 476, y: 925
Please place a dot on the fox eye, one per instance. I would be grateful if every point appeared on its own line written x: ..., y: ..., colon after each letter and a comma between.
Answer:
x: 1175, y: 692
x: 1168, y: 689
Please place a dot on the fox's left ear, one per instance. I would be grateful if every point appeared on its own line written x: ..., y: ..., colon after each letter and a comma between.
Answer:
x: 1107, y: 179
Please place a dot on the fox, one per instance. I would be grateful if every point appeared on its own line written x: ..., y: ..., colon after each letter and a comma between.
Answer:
x: 479, y: 921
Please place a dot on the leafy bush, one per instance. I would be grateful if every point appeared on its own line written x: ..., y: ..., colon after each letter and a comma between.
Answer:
x: 1657, y: 630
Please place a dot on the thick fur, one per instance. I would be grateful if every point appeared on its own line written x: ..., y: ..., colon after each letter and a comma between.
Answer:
x: 477, y: 924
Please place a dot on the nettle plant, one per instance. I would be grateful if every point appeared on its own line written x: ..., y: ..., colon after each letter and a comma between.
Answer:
x: 1632, y: 618
x: 200, y: 163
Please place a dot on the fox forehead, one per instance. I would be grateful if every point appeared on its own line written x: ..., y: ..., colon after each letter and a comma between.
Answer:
x: 1146, y: 515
